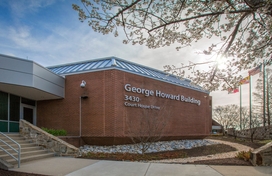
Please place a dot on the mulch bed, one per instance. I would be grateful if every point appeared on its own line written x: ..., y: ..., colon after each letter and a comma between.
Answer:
x: 183, y: 153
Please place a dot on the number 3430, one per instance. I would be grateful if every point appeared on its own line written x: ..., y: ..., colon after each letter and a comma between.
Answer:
x: 132, y: 98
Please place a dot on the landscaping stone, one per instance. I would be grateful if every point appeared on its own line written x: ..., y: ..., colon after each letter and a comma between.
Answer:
x: 262, y: 156
x: 154, y: 147
x: 47, y: 141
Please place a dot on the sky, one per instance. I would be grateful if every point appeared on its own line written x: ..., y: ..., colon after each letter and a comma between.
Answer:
x: 49, y: 33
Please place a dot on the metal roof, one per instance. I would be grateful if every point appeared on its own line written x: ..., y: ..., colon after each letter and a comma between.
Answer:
x: 120, y: 64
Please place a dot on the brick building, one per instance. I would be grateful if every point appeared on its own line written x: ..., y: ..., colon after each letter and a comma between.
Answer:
x: 106, y: 101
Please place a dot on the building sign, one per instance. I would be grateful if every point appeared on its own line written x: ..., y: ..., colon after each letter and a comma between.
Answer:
x: 134, y: 101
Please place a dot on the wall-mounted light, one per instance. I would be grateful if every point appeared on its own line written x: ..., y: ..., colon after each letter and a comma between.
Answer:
x: 83, y: 84
x: 84, y: 96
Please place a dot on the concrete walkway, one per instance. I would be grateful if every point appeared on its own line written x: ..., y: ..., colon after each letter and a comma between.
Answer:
x: 239, y: 147
x: 59, y: 166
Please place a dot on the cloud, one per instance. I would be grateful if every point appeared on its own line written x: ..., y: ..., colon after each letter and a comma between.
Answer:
x: 72, y: 40
x: 21, y: 8
x: 20, y: 36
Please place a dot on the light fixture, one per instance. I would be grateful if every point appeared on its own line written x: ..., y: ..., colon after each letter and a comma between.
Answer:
x: 84, y: 96
x: 83, y: 84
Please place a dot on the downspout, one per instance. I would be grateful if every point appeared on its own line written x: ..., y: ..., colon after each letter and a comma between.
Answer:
x: 79, y: 116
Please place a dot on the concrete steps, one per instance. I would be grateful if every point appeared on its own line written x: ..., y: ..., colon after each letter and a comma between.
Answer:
x: 25, y: 149
x: 29, y: 151
x: 31, y: 158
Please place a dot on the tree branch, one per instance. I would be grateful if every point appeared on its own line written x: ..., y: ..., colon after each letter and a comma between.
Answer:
x: 180, y: 8
x: 122, y: 11
x: 232, y: 37
x: 199, y: 16
x: 233, y: 34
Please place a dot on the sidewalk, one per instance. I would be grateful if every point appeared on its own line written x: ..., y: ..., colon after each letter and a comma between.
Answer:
x: 59, y: 166
x: 238, y: 147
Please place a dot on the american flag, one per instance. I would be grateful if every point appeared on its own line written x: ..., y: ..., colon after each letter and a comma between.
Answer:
x: 255, y: 70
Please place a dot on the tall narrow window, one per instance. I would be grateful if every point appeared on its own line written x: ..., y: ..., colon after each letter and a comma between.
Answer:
x: 3, y: 112
x: 3, y: 106
x: 14, y: 106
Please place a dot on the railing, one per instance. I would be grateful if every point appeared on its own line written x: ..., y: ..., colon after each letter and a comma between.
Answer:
x: 18, y: 159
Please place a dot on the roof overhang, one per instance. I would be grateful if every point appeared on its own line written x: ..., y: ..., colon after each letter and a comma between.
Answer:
x: 28, y: 79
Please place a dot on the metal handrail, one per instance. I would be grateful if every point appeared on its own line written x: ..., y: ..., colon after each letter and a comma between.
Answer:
x: 17, y: 151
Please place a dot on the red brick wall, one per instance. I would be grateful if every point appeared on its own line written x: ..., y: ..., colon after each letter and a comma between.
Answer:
x: 104, y: 115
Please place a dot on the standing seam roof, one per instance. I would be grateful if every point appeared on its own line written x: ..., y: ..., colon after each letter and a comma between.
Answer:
x: 120, y: 64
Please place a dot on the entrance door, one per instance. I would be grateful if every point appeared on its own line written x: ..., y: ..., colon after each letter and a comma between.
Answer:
x: 28, y: 113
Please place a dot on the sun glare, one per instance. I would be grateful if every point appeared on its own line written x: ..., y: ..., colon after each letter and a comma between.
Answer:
x: 221, y: 62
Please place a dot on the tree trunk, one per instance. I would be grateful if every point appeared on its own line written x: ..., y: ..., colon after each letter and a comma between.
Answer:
x: 252, y: 131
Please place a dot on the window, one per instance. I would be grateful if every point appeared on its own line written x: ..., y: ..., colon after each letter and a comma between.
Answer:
x: 3, y: 106
x: 14, y: 108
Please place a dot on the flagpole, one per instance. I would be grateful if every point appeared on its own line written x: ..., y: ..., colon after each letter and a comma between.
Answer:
x: 251, y: 73
x: 264, y: 93
x: 240, y: 107
x: 268, y: 103
x: 250, y: 123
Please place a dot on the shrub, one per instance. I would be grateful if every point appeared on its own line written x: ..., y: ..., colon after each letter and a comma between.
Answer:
x: 54, y: 132
x: 244, y: 155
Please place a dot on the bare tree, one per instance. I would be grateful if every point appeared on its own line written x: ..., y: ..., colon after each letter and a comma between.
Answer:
x: 147, y: 128
x: 226, y: 115
x: 244, y: 119
x: 229, y: 117
x: 258, y: 96
x: 255, y: 122
x: 243, y: 26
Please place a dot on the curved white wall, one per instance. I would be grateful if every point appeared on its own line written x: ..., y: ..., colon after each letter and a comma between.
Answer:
x: 28, y: 79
